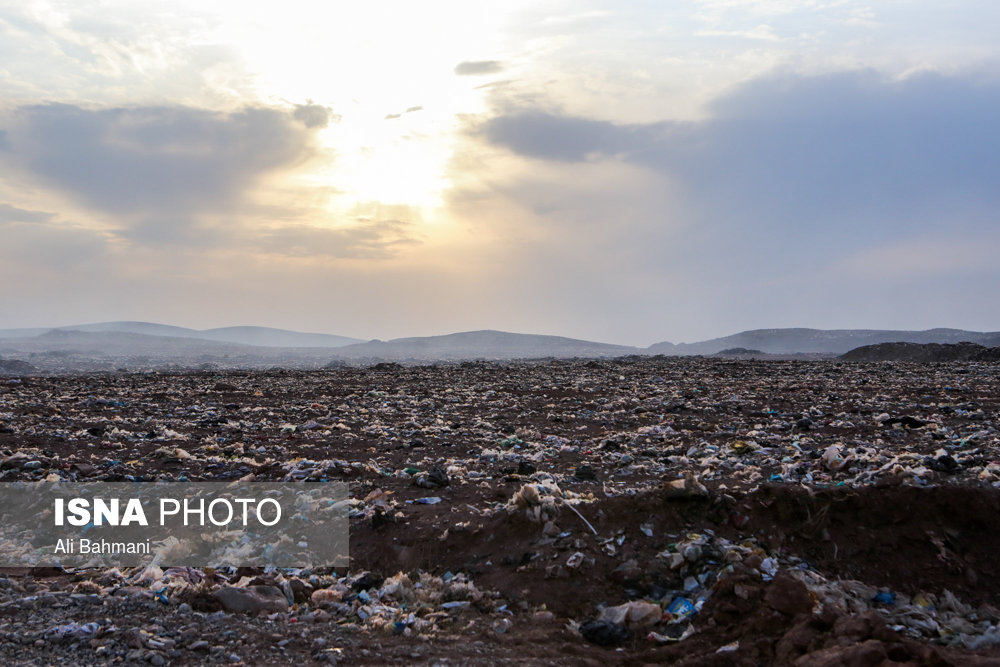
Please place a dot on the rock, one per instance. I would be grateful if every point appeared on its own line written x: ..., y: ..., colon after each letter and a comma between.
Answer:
x: 253, y: 599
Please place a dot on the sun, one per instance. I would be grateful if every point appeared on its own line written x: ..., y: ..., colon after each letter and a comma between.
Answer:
x: 387, y: 71
x: 394, y: 161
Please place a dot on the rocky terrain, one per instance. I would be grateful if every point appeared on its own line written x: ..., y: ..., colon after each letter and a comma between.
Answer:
x: 642, y: 510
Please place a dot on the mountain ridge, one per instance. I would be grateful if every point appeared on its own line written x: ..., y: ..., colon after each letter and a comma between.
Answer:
x: 147, y: 344
x: 800, y: 340
x: 244, y: 335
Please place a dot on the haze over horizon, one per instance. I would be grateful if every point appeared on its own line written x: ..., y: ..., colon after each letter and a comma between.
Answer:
x: 626, y: 173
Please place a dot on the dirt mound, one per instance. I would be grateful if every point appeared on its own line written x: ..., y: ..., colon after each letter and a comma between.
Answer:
x: 923, y: 352
x: 894, y: 542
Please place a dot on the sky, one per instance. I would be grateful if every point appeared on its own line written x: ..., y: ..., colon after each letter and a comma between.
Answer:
x: 626, y: 172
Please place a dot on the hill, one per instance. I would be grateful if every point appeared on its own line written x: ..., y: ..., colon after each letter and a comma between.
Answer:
x: 923, y: 353
x: 243, y: 335
x: 821, y: 341
x: 486, y: 344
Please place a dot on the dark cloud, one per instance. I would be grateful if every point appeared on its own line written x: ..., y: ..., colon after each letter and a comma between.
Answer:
x: 566, y: 139
x: 476, y: 67
x: 371, y: 240
x: 846, y: 156
x: 10, y: 213
x: 139, y: 163
x: 314, y: 116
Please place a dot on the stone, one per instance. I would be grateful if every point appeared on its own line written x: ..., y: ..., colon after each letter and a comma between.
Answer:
x: 253, y: 599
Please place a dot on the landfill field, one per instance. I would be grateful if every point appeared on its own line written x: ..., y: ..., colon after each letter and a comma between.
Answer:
x: 642, y: 510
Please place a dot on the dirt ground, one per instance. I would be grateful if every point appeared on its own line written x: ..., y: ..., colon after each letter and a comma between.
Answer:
x: 812, y: 513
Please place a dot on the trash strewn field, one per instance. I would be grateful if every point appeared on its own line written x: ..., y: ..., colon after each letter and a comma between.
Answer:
x: 630, y: 511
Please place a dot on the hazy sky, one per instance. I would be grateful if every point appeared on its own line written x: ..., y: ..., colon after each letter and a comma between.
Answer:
x: 627, y: 172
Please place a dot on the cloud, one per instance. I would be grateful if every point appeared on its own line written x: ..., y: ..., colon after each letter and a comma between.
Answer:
x: 796, y: 201
x: 548, y: 136
x: 139, y: 164
x: 762, y: 32
x: 369, y: 240
x: 478, y: 67
x: 51, y: 248
x: 10, y: 213
x: 394, y: 116
x: 314, y: 116
x: 784, y: 153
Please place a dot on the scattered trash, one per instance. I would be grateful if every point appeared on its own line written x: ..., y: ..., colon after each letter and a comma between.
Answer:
x: 634, y: 615
x: 670, y: 635
x: 604, y: 633
x: 681, y: 608
x: 669, y: 481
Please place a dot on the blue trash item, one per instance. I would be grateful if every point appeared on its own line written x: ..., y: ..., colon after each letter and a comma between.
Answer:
x: 681, y: 607
x: 885, y: 598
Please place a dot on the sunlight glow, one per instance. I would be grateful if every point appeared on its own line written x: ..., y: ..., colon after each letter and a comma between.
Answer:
x: 387, y: 72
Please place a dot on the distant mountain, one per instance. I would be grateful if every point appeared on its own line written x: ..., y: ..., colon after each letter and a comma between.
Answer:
x: 259, y: 336
x: 923, y: 352
x: 145, y: 328
x: 821, y: 341
x: 118, y: 343
x: 268, y: 337
x: 482, y: 345
x: 68, y: 350
x: 145, y: 345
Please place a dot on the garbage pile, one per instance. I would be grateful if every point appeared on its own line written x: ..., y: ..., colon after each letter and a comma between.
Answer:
x: 634, y: 504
